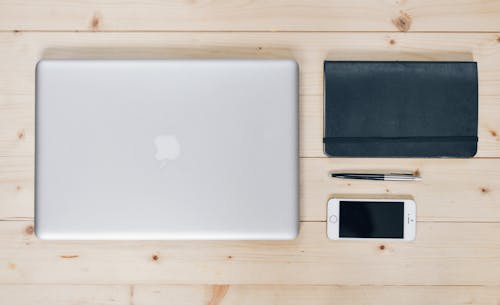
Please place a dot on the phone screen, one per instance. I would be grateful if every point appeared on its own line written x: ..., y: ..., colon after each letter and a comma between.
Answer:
x: 364, y: 219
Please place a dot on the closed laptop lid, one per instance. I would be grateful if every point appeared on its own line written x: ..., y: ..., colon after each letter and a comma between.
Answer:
x: 166, y: 149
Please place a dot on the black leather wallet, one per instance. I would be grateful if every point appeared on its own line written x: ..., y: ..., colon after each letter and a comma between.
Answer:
x: 400, y: 109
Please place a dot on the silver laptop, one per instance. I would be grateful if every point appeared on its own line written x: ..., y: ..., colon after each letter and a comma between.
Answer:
x: 167, y: 149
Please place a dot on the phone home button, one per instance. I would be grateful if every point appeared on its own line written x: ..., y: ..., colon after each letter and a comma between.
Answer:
x: 333, y: 219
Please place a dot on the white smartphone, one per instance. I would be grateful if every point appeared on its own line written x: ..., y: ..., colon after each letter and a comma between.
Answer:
x: 354, y: 219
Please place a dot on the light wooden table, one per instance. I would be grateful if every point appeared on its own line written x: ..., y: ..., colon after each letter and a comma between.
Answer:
x: 456, y: 257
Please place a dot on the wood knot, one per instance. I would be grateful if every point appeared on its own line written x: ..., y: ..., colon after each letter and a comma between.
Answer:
x: 21, y: 134
x: 381, y: 247
x: 402, y: 22
x: 416, y: 172
x: 259, y: 48
x: 69, y: 256
x: 218, y: 293
x: 493, y: 133
x: 18, y: 188
x: 484, y: 190
x: 155, y: 257
x: 498, y: 39
x: 229, y: 257
x: 95, y: 22
x: 387, y: 190
x: 29, y: 230
x: 392, y: 42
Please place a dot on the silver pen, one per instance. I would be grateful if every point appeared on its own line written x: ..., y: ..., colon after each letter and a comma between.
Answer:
x: 384, y: 177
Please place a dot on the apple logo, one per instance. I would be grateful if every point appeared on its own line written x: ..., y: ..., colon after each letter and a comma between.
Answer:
x: 167, y: 148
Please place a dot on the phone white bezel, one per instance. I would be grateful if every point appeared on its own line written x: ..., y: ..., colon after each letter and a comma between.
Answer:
x: 333, y: 218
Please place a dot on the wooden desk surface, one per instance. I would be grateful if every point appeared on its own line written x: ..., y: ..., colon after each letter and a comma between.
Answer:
x: 456, y: 257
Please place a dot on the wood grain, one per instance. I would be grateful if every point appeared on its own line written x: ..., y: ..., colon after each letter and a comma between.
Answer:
x: 64, y: 295
x: 443, y: 254
x: 247, y: 295
x: 451, y: 189
x: 257, y: 15
x: 319, y: 295
x: 456, y: 258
